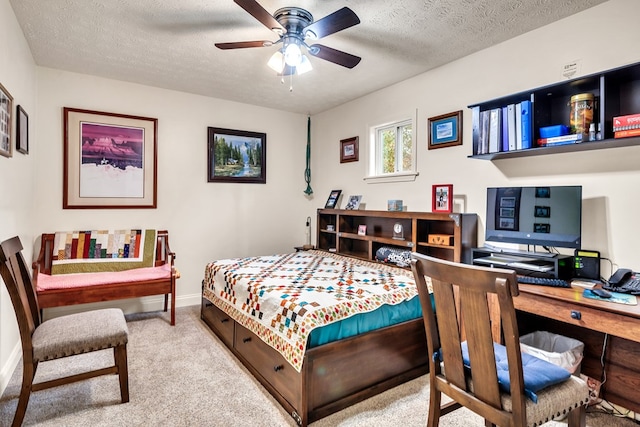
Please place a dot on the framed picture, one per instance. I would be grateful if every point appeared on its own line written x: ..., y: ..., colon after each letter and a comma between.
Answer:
x: 543, y: 192
x: 237, y: 156
x: 349, y: 150
x: 542, y: 212
x: 332, y: 201
x: 110, y: 160
x: 362, y: 230
x: 354, y: 202
x: 22, y: 135
x: 445, y: 130
x: 442, y: 197
x: 6, y: 108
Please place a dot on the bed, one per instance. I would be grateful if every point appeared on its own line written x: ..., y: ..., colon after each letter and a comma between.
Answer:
x: 321, y: 331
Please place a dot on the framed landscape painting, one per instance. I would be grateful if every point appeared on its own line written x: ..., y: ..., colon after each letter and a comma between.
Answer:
x: 110, y: 160
x: 236, y: 156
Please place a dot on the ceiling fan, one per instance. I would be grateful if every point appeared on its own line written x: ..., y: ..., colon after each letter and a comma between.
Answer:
x: 294, y: 26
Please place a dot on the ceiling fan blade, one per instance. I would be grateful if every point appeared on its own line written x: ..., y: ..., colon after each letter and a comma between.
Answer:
x: 334, y: 55
x: 337, y: 21
x: 242, y: 45
x: 261, y: 15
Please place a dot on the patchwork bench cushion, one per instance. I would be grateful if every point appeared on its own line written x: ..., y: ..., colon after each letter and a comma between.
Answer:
x: 102, y: 250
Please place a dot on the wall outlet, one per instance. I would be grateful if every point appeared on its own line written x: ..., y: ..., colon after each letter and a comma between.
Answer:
x: 594, y: 389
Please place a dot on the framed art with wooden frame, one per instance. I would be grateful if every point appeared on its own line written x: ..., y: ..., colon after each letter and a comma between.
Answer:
x: 22, y: 132
x: 110, y: 160
x: 349, y: 150
x: 442, y: 198
x: 445, y: 130
x: 236, y: 156
x: 6, y: 109
x: 332, y: 201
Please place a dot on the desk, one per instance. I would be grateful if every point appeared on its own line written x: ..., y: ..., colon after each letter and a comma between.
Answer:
x: 588, y: 320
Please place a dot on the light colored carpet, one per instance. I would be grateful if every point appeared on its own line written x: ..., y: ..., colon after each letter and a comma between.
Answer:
x: 184, y: 376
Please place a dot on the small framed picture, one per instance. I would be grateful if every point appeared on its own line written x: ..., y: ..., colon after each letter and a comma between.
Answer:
x: 362, y: 230
x: 349, y: 150
x: 354, y: 202
x: 543, y: 192
x: 442, y: 196
x: 332, y: 201
x: 6, y: 111
x: 22, y: 134
x: 445, y: 130
x: 542, y: 212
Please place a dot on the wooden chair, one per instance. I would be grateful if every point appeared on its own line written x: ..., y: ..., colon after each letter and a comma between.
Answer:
x: 462, y: 295
x: 59, y: 337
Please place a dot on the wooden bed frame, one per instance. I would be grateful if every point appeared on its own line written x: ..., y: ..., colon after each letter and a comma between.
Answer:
x: 335, y: 375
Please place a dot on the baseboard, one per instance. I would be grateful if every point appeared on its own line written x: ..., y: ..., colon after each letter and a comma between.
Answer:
x: 134, y: 305
x: 7, y: 370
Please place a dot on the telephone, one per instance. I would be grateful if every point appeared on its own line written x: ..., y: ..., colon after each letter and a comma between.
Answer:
x: 624, y: 280
x: 620, y: 277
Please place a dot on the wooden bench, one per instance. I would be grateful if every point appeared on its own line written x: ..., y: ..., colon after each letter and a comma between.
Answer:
x: 55, y: 290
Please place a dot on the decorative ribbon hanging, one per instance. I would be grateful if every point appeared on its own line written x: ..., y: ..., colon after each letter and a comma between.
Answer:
x: 307, y: 171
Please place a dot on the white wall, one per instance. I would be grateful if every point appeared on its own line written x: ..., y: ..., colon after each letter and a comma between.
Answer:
x: 18, y: 76
x: 600, y: 38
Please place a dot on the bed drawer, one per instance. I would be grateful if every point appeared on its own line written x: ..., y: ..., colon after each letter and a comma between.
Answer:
x: 269, y: 363
x: 221, y: 323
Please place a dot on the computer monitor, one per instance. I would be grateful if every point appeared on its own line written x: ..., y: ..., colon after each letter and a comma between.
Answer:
x: 543, y: 216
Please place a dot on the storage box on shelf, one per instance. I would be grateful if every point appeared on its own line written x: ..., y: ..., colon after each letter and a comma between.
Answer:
x: 442, y: 235
x: 616, y: 93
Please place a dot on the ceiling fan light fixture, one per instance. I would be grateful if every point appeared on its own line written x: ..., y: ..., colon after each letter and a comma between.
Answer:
x: 276, y: 62
x: 304, y: 66
x: 292, y: 54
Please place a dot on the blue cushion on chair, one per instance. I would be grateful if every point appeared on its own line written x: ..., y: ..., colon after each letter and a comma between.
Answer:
x: 537, y: 373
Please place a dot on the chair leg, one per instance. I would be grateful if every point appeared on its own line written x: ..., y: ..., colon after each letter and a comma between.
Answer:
x: 435, y: 397
x: 166, y: 301
x: 28, y: 374
x: 120, y: 355
x: 577, y: 417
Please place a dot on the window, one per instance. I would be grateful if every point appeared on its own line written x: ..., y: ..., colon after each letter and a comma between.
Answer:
x: 392, y: 152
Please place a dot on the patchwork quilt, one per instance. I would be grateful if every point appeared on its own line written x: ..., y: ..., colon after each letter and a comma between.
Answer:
x: 282, y: 298
x: 102, y: 250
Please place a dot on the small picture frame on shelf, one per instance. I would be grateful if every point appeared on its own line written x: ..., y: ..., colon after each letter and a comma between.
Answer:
x: 332, y: 201
x: 441, y: 198
x: 362, y: 230
x: 353, y: 203
x: 394, y: 205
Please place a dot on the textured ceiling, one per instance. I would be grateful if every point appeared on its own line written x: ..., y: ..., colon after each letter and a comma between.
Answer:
x: 170, y: 43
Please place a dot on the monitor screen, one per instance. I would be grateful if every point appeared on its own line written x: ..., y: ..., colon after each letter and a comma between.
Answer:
x: 544, y: 216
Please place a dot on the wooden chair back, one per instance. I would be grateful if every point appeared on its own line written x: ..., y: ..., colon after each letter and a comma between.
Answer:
x: 465, y: 292
x: 15, y: 275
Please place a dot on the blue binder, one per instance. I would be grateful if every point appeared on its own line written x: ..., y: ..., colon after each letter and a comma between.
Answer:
x: 505, y: 129
x: 527, y: 135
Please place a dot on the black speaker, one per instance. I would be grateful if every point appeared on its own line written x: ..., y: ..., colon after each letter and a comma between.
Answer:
x: 586, y: 264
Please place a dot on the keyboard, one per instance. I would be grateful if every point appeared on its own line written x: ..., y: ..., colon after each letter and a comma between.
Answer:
x: 543, y: 281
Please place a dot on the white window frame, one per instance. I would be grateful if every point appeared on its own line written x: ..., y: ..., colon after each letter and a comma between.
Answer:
x: 374, y: 174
